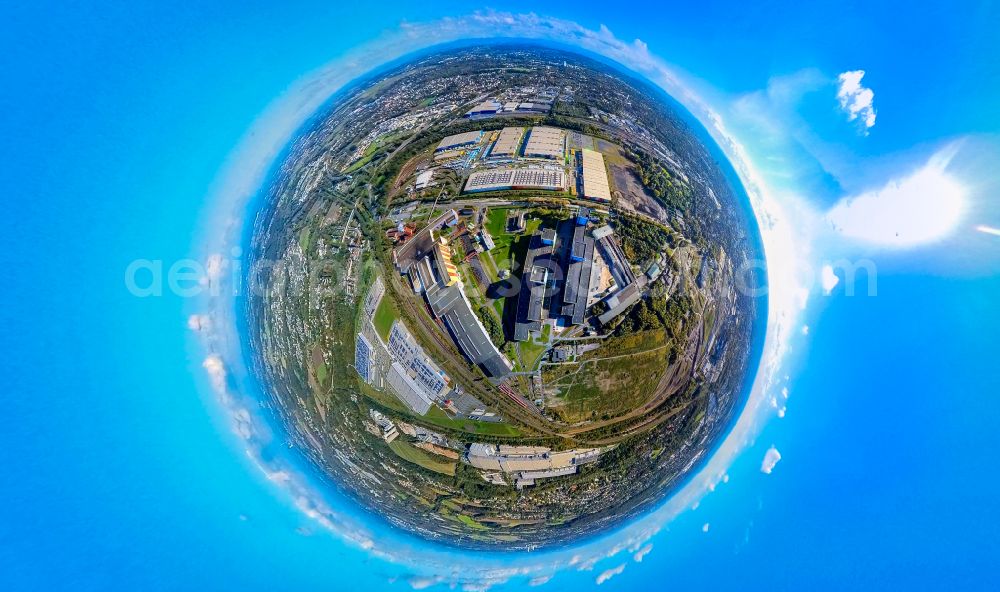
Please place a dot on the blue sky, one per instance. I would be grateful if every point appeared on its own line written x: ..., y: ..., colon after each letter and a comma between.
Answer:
x: 119, y: 123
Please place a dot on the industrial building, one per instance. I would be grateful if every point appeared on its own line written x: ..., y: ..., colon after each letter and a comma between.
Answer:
x: 545, y: 142
x: 458, y: 141
x: 363, y: 358
x: 486, y: 240
x: 408, y: 390
x: 425, y: 373
x: 484, y: 109
x: 558, y: 272
x: 534, y: 286
x: 620, y: 301
x: 508, y: 144
x: 509, y: 178
x: 438, y: 279
x: 388, y: 429
x: 579, y: 275
x: 595, y: 176
x: 526, y: 464
x: 613, y: 256
x: 629, y: 288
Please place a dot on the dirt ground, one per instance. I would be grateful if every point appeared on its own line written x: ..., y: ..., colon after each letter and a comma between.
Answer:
x: 633, y: 196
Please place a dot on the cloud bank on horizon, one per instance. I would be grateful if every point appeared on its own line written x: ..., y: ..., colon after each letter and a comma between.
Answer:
x: 782, y: 220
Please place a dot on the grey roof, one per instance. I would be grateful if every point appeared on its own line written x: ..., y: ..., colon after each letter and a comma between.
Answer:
x: 620, y: 301
x: 474, y: 342
x: 443, y: 299
x: 621, y: 270
x: 530, y: 300
x: 578, y: 279
x: 407, y: 390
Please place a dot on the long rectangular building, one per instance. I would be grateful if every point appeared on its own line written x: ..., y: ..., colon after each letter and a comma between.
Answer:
x: 534, y: 278
x: 449, y: 303
x: 579, y: 274
x: 508, y: 144
x: 546, y: 142
x: 612, y: 253
x: 595, y: 176
x: 510, y: 178
x: 456, y: 141
x: 407, y: 390
x: 363, y: 358
x: 425, y: 373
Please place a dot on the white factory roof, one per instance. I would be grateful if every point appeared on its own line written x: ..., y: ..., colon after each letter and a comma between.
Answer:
x: 487, y: 106
x: 547, y: 142
x: 460, y: 139
x: 407, y: 390
x: 595, y: 176
x: 508, y: 142
x: 505, y: 178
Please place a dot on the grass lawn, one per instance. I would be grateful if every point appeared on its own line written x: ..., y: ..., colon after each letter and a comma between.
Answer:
x: 438, y: 417
x: 410, y: 453
x: 304, y: 239
x: 468, y: 521
x: 607, y: 386
x: 531, y: 352
x: 385, y: 314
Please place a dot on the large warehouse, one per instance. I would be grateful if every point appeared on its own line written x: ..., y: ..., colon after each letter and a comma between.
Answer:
x: 459, y: 141
x: 595, y: 176
x: 546, y: 142
x: 507, y: 178
x: 508, y: 144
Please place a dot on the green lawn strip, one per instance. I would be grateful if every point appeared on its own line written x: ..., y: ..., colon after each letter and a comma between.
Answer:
x: 431, y: 462
x: 531, y: 352
x: 385, y: 314
x: 438, y: 417
x: 468, y: 521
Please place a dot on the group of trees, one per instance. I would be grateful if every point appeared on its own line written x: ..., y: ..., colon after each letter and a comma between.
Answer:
x: 493, y: 326
x: 658, y: 313
x: 640, y: 240
x: 669, y: 190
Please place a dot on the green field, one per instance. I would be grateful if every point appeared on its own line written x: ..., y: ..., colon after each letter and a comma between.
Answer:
x: 431, y: 462
x: 508, y: 245
x: 438, y: 417
x: 609, y: 384
x: 304, y: 239
x: 509, y: 253
x: 385, y: 314
x: 531, y: 352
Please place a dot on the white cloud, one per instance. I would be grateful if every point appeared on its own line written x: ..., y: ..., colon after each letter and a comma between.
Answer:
x: 609, y: 573
x: 641, y: 553
x: 805, y: 329
x: 771, y: 458
x: 922, y: 207
x: 199, y: 322
x: 828, y: 279
x: 856, y: 100
x: 539, y: 580
x: 705, y: 527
